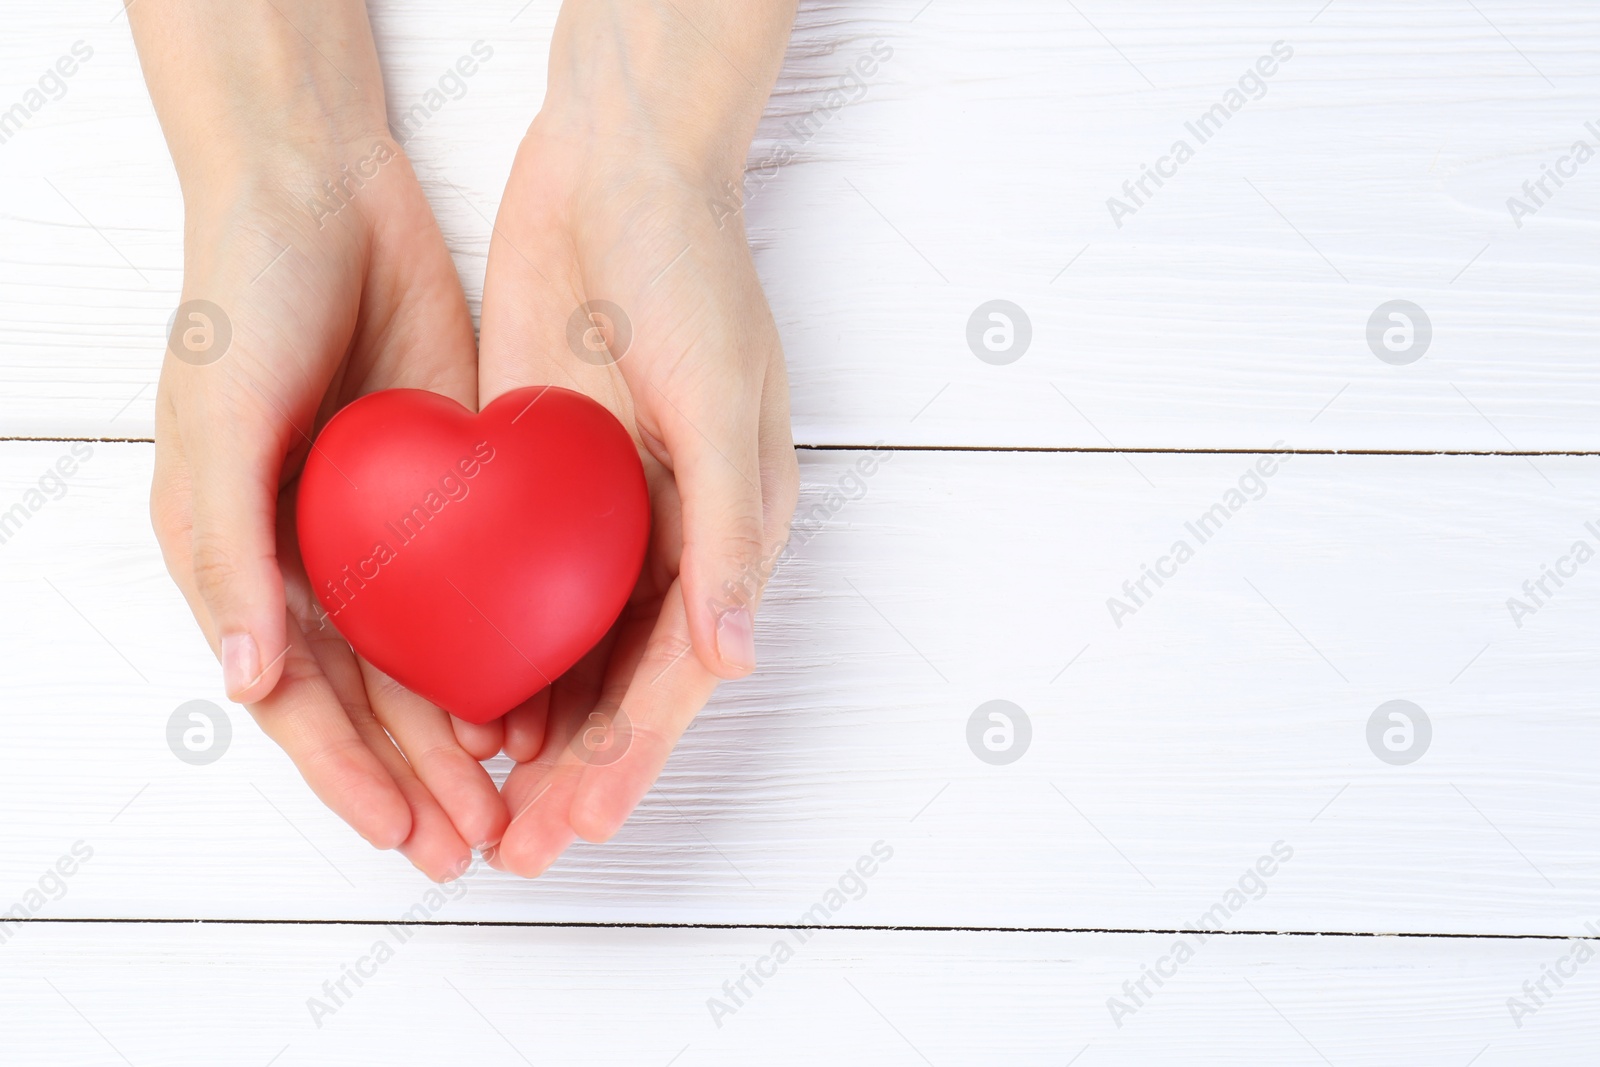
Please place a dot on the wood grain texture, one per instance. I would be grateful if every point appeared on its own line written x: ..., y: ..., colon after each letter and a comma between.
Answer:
x: 1199, y: 750
x: 81, y: 996
x: 1228, y: 713
x: 1229, y: 310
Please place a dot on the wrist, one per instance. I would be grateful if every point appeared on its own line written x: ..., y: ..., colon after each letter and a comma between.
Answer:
x: 259, y: 87
x: 680, y: 87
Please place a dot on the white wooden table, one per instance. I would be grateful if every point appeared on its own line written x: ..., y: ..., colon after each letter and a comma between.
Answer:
x: 1199, y: 755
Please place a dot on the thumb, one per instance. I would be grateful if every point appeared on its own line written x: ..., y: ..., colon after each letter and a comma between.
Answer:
x: 715, y: 460
x: 234, y: 465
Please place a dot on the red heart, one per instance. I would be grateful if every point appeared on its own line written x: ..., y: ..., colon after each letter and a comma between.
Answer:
x: 473, y: 558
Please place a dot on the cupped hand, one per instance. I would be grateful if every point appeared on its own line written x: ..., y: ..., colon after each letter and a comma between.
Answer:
x: 610, y: 273
x: 313, y: 294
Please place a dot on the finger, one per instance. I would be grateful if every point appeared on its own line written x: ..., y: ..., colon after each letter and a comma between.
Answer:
x: 306, y: 718
x: 540, y: 832
x: 666, y: 687
x: 309, y: 715
x: 539, y: 793
x: 714, y: 447
x: 432, y: 846
x: 572, y: 697
x: 780, y: 470
x: 481, y: 740
x: 521, y: 786
x: 234, y: 449
x: 172, y: 512
x: 454, y: 778
x: 525, y: 727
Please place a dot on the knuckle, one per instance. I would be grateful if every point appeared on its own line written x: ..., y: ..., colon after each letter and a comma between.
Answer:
x: 782, y: 494
x: 166, y: 520
x: 337, y: 766
x: 215, y: 567
x: 386, y: 696
x: 744, y: 571
x: 741, y: 568
x: 745, y: 544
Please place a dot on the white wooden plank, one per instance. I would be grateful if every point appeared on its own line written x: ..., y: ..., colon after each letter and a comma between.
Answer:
x: 977, y: 164
x: 1167, y: 755
x: 180, y: 995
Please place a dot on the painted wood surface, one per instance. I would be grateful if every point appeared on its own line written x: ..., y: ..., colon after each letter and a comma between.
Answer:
x: 1230, y: 711
x: 83, y: 996
x: 1208, y: 734
x: 1230, y: 309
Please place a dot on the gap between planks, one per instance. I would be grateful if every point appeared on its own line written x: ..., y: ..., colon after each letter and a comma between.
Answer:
x: 869, y: 928
x: 1068, y: 449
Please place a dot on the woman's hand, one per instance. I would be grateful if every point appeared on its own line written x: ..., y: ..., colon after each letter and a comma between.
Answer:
x: 617, y: 270
x: 314, y: 272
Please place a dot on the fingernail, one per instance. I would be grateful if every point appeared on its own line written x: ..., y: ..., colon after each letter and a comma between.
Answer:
x: 736, y: 639
x: 241, y: 662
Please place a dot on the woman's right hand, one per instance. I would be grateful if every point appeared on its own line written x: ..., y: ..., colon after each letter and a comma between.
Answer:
x: 314, y: 272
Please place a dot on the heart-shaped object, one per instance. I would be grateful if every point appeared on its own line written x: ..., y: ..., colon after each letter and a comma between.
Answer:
x: 473, y: 558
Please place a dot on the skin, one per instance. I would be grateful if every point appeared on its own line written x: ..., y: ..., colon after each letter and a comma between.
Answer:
x: 648, y: 115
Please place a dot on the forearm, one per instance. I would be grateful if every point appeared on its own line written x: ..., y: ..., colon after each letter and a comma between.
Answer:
x: 238, y: 83
x: 688, y: 78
